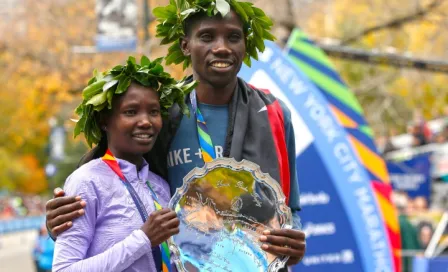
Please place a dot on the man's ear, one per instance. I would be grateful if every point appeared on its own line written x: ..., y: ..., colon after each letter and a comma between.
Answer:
x: 184, y: 46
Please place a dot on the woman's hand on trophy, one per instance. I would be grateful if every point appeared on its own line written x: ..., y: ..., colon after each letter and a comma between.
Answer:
x: 160, y: 226
x: 285, y: 242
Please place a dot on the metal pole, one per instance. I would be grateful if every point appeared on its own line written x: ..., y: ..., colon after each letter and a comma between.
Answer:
x: 382, y: 58
x: 146, y: 19
x: 429, y: 253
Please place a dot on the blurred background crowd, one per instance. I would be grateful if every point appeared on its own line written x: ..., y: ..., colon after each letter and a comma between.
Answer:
x: 16, y: 206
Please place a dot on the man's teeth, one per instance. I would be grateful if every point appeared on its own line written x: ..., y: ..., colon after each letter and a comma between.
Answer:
x: 142, y: 136
x: 221, y: 64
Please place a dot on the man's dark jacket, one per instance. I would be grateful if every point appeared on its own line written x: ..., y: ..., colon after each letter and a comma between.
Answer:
x: 259, y: 130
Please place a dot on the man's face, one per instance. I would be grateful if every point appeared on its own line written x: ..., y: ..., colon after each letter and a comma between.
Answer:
x: 217, y: 48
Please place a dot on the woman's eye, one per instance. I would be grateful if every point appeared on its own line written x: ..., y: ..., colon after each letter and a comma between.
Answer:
x: 130, y: 112
x: 155, y: 112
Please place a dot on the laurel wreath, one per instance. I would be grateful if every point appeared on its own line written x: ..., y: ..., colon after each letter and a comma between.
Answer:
x: 103, y: 86
x: 171, y: 18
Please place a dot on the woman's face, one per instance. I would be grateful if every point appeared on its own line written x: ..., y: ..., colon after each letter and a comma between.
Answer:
x: 134, y: 123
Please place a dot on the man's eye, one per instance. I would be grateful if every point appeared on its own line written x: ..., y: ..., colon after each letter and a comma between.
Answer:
x: 235, y: 38
x: 206, y: 37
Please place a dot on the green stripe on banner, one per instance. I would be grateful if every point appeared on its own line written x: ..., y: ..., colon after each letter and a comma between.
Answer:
x: 334, y: 88
x: 366, y: 130
x: 297, y: 34
x: 318, y: 54
x: 311, y: 51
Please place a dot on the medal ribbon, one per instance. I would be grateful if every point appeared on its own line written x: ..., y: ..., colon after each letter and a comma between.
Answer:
x: 162, y: 254
x: 205, y: 141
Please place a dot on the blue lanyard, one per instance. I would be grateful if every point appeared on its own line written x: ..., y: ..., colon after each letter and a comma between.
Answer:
x: 110, y: 160
x: 204, y: 138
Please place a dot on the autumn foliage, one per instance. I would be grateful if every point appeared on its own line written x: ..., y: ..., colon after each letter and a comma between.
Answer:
x: 410, y: 28
x: 43, y: 72
x: 41, y: 78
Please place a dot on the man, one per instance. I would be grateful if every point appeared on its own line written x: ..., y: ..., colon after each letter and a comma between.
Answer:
x: 241, y: 121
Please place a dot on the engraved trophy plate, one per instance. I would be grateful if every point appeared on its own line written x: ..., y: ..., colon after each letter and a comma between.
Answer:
x: 223, y: 208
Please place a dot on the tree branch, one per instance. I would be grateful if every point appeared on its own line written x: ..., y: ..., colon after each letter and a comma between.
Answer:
x: 371, y: 83
x: 395, y: 23
x: 382, y: 58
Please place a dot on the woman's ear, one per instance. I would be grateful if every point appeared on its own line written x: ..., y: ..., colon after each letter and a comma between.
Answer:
x: 102, y: 121
x: 184, y: 41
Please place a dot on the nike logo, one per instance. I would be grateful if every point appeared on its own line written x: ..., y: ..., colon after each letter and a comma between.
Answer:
x: 263, y: 109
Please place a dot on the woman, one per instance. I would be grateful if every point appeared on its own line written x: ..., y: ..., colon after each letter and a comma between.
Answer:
x: 121, y: 113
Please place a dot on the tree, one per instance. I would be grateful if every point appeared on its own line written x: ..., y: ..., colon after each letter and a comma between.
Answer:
x: 42, y: 77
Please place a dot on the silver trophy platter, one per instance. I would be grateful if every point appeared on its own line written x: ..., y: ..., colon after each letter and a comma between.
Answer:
x: 223, y: 209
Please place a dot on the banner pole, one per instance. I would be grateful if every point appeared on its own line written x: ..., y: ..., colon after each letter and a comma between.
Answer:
x: 429, y: 252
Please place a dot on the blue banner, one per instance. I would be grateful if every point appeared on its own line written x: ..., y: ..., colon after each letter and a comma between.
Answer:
x: 21, y: 224
x: 339, y: 214
x: 412, y: 176
x: 437, y: 264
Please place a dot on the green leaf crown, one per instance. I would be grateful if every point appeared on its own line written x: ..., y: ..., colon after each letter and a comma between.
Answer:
x: 171, y: 18
x: 103, y: 86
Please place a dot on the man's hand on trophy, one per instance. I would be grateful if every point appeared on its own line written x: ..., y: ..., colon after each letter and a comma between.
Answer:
x: 61, y: 211
x: 160, y: 226
x: 285, y: 242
